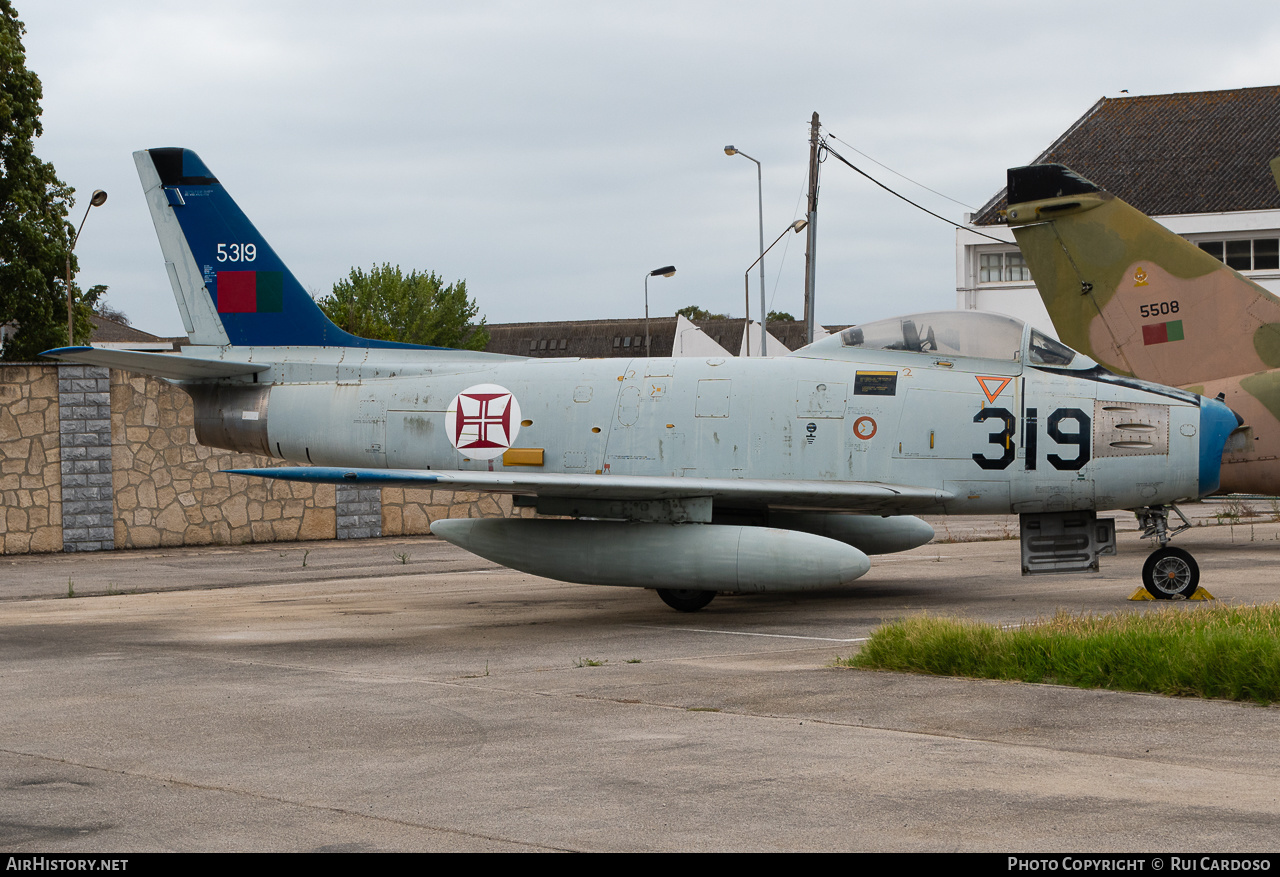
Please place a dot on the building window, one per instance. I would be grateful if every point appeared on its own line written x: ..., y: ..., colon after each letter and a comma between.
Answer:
x: 1002, y: 267
x: 1258, y: 254
x: 626, y: 342
x: 617, y: 340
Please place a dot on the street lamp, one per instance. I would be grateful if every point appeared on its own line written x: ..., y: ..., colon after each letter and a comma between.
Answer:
x: 97, y: 199
x: 797, y: 226
x: 656, y: 272
x: 731, y: 150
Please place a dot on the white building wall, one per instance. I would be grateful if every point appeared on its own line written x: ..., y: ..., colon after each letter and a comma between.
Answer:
x: 1019, y: 298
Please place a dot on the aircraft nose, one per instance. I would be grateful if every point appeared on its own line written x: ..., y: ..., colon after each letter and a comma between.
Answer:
x: 1216, y: 423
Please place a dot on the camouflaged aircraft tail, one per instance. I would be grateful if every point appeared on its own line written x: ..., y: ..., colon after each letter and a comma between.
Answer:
x: 1133, y: 295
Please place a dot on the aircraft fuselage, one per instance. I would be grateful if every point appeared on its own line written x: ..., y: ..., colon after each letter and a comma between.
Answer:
x: 999, y: 437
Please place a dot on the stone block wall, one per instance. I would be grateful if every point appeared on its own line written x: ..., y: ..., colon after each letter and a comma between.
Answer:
x: 94, y: 460
x: 30, y: 460
x: 84, y: 426
x: 359, y: 511
x: 169, y: 490
x: 409, y: 511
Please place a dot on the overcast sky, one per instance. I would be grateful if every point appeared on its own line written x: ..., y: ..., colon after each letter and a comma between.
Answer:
x: 552, y: 153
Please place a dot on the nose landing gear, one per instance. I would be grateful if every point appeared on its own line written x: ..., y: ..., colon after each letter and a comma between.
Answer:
x: 1169, y: 572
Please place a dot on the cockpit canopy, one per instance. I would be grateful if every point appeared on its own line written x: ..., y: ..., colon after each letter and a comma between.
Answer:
x: 962, y: 333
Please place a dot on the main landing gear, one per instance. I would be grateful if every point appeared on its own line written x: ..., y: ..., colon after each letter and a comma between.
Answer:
x: 1169, y: 572
x: 684, y: 599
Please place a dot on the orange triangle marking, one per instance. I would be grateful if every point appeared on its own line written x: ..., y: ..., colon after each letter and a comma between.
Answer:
x: 998, y: 383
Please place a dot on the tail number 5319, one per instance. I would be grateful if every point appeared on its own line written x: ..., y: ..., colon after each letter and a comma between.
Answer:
x: 237, y: 252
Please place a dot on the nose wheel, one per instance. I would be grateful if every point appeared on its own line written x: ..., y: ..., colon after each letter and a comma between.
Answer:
x: 1170, y: 572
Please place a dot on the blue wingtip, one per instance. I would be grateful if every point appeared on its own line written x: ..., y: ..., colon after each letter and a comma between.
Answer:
x: 340, y: 475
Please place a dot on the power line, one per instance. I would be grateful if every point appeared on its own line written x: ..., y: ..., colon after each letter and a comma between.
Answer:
x: 859, y: 170
x: 899, y: 173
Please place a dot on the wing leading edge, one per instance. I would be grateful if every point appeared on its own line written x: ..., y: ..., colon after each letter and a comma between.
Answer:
x: 160, y: 365
x: 861, y: 496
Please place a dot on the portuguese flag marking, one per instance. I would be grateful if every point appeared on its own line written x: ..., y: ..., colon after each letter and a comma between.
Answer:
x: 1159, y: 333
x: 250, y: 292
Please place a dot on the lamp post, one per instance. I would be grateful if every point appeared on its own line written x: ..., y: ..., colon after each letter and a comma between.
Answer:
x: 98, y: 198
x: 730, y: 150
x: 656, y: 272
x: 797, y: 227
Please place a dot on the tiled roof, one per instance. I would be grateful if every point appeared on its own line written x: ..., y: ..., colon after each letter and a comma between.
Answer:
x: 1194, y: 152
x: 108, y: 331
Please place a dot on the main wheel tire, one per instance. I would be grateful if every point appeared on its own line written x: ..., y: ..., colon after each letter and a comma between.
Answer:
x: 1170, y: 572
x: 685, y: 600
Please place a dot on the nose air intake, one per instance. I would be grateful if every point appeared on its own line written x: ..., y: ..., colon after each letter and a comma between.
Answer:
x: 1216, y: 423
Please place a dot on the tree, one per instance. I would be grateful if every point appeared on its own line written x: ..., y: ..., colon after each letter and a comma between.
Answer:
x: 780, y: 316
x: 693, y: 312
x: 106, y: 309
x: 416, y: 308
x: 34, y: 233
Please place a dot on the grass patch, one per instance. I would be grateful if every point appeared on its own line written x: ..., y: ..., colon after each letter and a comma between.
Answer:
x: 1228, y: 652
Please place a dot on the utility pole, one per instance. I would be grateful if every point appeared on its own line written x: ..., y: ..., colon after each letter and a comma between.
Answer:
x: 811, y: 242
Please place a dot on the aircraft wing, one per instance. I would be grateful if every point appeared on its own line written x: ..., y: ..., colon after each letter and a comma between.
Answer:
x: 161, y: 365
x: 861, y: 496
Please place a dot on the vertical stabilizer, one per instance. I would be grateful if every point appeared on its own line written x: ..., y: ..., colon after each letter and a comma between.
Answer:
x: 230, y: 286
x: 1133, y: 295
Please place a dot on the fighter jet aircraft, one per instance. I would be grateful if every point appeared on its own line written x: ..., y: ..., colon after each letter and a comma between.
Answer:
x: 687, y: 476
x: 1146, y: 302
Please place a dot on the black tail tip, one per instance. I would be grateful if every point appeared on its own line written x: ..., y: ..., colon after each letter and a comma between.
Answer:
x: 180, y: 167
x: 1037, y: 182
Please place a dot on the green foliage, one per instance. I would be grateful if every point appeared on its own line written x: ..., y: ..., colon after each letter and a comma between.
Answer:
x: 34, y: 233
x: 105, y: 309
x: 416, y: 308
x: 1221, y: 651
x: 695, y: 313
x: 780, y: 316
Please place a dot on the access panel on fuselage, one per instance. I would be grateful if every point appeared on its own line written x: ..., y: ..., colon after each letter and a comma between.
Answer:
x: 818, y: 429
x: 649, y: 427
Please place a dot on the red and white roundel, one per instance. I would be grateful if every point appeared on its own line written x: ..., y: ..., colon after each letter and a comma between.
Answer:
x: 482, y: 421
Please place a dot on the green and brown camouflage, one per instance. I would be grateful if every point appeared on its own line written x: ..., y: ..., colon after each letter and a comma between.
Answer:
x: 1144, y: 301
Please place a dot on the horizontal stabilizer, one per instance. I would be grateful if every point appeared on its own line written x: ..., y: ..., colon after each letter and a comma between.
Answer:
x: 161, y: 365
x: 863, y: 496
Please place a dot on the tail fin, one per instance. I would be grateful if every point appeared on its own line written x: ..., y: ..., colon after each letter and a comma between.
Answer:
x: 1133, y: 295
x: 231, y: 287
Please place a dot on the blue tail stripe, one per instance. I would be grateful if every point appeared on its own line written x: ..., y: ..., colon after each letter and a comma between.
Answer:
x: 222, y: 239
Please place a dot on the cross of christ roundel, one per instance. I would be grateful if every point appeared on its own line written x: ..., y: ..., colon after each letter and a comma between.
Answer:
x: 482, y: 421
